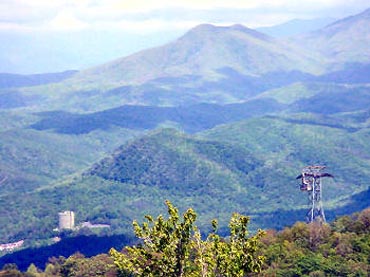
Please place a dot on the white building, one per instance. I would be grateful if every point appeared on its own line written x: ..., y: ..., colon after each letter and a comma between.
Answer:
x: 66, y: 220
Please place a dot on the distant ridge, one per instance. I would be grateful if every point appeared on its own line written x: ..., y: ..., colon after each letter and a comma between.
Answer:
x: 201, y: 52
x: 344, y: 41
x: 247, y: 112
x: 296, y: 27
x: 206, y: 28
x: 8, y: 80
x: 210, y: 64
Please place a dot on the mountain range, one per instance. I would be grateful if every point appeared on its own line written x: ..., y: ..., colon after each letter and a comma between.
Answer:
x: 344, y: 42
x: 210, y: 64
x: 221, y: 119
x: 295, y: 27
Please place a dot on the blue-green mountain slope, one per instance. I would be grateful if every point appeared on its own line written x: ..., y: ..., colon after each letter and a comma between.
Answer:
x: 343, y: 42
x: 249, y: 167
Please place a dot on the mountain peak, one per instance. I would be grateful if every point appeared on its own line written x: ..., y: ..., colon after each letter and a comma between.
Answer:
x: 203, y: 51
x: 203, y: 27
x: 209, y: 28
x: 249, y: 31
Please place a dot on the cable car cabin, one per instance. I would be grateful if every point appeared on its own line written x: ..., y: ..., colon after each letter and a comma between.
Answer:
x: 306, y: 184
x: 305, y: 187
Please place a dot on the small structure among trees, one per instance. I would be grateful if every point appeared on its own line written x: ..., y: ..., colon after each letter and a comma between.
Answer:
x: 66, y: 220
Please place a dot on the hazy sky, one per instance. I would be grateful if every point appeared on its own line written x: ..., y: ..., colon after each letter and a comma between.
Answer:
x: 155, y: 15
x: 53, y: 35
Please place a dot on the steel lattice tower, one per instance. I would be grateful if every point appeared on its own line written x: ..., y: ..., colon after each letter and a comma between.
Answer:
x: 311, y: 183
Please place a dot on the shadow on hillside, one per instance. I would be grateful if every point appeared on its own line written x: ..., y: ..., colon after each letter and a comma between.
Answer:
x: 191, y: 118
x: 94, y: 245
x: 87, y: 245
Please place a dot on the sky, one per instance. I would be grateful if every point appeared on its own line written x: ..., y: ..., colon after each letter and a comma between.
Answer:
x: 63, y: 29
x: 162, y: 15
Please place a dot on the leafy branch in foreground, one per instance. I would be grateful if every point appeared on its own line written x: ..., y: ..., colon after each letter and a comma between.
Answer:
x: 174, y: 247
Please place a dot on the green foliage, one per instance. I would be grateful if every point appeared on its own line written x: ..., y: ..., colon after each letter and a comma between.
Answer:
x: 74, y: 266
x: 174, y: 248
x: 10, y: 270
x: 320, y: 250
x: 32, y: 271
x: 77, y: 265
x: 286, y: 147
x: 30, y: 161
x: 171, y: 160
x: 250, y: 166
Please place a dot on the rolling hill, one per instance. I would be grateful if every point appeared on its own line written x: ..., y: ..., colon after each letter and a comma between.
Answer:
x: 207, y: 64
x: 255, y: 110
x: 307, y: 97
x: 249, y: 167
x: 203, y: 51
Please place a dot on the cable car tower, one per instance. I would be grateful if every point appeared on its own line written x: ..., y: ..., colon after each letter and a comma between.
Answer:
x: 311, y: 183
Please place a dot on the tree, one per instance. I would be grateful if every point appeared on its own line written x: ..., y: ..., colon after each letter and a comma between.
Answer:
x: 236, y: 256
x: 32, y: 271
x: 166, y: 246
x: 174, y: 247
x: 10, y: 270
x: 78, y: 265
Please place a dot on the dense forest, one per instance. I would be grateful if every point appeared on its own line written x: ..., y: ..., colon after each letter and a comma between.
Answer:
x: 221, y: 119
x: 249, y: 166
x: 249, y: 110
x: 341, y: 248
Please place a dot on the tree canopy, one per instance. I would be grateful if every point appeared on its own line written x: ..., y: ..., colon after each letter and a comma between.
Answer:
x: 174, y: 247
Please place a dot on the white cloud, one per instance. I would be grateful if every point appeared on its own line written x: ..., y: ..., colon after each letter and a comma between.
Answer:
x: 156, y: 15
x: 15, y: 27
x: 151, y: 5
x: 66, y: 21
x: 152, y: 25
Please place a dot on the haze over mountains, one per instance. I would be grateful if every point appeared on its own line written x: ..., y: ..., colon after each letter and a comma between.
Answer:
x: 344, y: 41
x: 295, y: 27
x: 40, y: 52
x: 249, y: 111
x: 211, y: 64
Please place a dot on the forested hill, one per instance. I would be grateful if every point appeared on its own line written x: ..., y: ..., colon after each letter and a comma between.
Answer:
x: 249, y: 166
x: 339, y: 249
x: 221, y: 119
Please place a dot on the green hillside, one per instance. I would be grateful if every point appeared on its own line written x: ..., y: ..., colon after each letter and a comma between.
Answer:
x: 249, y: 111
x: 249, y: 167
x: 307, y: 97
x: 31, y: 158
x: 320, y: 97
x: 287, y: 144
x: 340, y: 248
x: 177, y: 167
